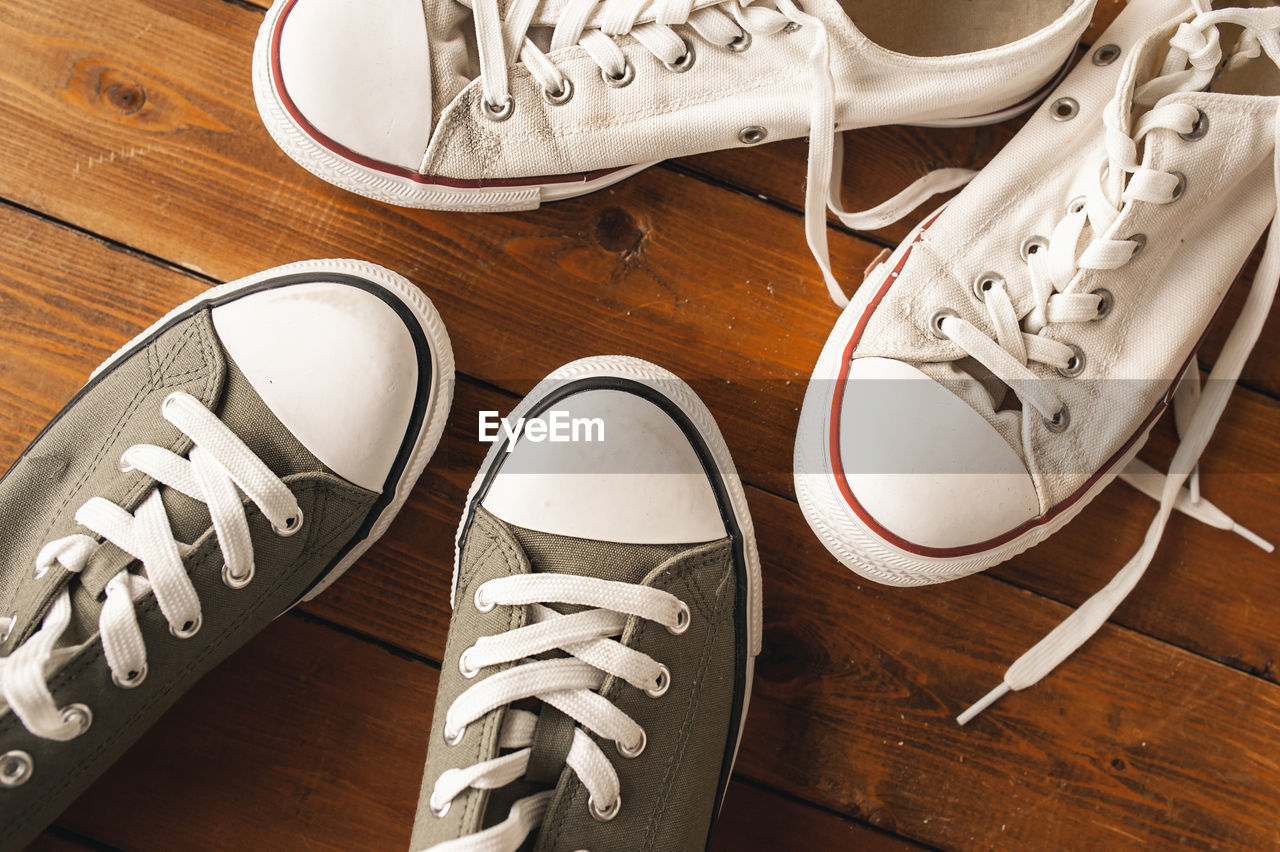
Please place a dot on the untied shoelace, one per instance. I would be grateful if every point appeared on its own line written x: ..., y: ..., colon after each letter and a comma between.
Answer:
x: 1194, y: 57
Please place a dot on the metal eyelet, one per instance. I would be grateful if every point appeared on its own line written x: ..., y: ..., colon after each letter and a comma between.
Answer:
x: 291, y: 526
x: 1106, y: 301
x: 1181, y: 186
x: 124, y: 466
x: 1106, y: 54
x: 498, y: 112
x: 1032, y: 245
x: 741, y: 43
x: 1140, y: 242
x: 13, y: 619
x: 16, y: 768
x: 983, y: 284
x: 664, y: 682
x: 482, y: 604
x: 635, y: 751
x: 231, y: 581
x: 752, y: 135
x: 80, y: 715
x: 561, y: 97
x: 1076, y: 205
x: 1059, y: 422
x: 794, y: 26
x: 1199, y: 130
x: 606, y: 814
x: 1064, y: 109
x: 683, y: 619
x: 1075, y: 364
x: 685, y: 62
x: 452, y: 738
x: 628, y: 74
x: 464, y: 668
x: 133, y: 680
x: 935, y: 322
x: 191, y: 628
x: 169, y: 401
x: 438, y: 811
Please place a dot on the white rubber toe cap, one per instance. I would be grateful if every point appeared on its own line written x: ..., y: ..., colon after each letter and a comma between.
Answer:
x: 335, y: 364
x: 926, y: 467
x: 642, y: 484
x: 360, y: 73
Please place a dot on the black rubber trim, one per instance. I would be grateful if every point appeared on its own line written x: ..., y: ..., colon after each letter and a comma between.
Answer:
x: 723, y: 501
x: 422, y: 401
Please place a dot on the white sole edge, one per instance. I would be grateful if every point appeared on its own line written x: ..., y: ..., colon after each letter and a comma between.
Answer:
x: 841, y: 531
x: 442, y: 376
x: 394, y: 189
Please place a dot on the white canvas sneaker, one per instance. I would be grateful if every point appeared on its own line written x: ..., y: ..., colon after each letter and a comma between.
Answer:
x: 1008, y: 361
x: 488, y: 105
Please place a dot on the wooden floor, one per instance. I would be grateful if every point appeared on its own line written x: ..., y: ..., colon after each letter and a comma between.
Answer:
x: 134, y: 173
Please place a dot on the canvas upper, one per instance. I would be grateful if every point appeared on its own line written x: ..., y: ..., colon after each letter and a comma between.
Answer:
x: 1008, y: 360
x: 618, y: 732
x: 427, y: 104
x: 192, y: 491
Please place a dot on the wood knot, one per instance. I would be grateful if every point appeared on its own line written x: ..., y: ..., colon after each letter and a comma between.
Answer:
x: 132, y: 98
x: 124, y: 95
x: 617, y: 231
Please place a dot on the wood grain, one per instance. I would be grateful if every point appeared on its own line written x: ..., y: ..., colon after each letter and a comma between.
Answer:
x: 850, y: 670
x: 132, y: 121
x: 314, y: 738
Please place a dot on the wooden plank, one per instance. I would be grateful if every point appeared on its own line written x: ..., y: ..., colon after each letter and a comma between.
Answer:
x: 749, y: 821
x: 50, y: 842
x: 742, y: 314
x: 316, y: 739
x: 850, y: 670
x: 61, y: 321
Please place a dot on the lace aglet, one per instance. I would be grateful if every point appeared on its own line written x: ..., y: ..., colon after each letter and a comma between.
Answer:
x: 1253, y: 538
x: 982, y: 704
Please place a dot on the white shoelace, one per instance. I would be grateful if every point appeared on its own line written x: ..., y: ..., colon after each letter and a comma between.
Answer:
x: 1193, y: 59
x: 498, y: 39
x: 216, y: 472
x: 569, y: 684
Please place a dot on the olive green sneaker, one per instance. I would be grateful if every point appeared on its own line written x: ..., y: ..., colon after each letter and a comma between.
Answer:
x: 231, y: 461
x: 606, y: 620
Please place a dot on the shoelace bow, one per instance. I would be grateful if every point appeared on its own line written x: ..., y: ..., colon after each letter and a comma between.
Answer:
x: 1056, y: 269
x: 570, y: 684
x: 216, y: 471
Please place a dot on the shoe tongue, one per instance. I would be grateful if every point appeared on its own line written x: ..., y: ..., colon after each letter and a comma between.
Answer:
x: 624, y: 563
x: 244, y: 412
